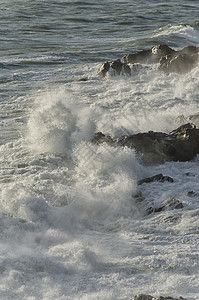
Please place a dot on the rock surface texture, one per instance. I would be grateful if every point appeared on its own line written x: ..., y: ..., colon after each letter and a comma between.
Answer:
x: 170, y: 204
x: 149, y: 297
x: 114, y: 68
x: 158, y: 177
x: 169, y: 60
x: 182, y: 144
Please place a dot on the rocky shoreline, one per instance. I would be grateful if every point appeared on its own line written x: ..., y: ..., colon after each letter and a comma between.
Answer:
x: 182, y: 144
x: 168, y: 60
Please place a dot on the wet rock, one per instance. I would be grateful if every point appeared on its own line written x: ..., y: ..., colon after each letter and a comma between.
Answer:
x: 191, y: 194
x: 83, y: 79
x: 186, y: 142
x: 149, y: 297
x: 173, y: 204
x: 138, y: 197
x: 168, y: 205
x: 148, y: 56
x: 170, y: 60
x: 160, y: 51
x: 180, y: 63
x: 143, y: 297
x: 182, y: 144
x: 100, y: 138
x: 150, y: 146
x: 190, y: 50
x: 192, y: 119
x: 190, y: 174
x: 115, y: 67
x: 104, y: 69
x: 158, y: 177
x: 182, y: 130
x: 170, y: 219
x: 135, y: 68
x: 141, y: 57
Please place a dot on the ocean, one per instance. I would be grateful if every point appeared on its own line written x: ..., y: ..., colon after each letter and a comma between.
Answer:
x: 70, y: 224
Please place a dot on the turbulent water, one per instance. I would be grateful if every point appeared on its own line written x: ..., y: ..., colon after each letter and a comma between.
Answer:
x: 70, y: 226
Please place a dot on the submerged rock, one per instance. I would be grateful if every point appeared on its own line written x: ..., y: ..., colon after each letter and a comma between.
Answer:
x: 182, y: 144
x: 149, y: 297
x: 158, y: 177
x: 138, y: 197
x: 168, y: 205
x: 191, y: 194
x: 170, y: 219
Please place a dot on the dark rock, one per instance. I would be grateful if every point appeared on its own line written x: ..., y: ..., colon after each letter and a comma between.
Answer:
x: 83, y: 79
x: 116, y: 67
x: 173, y: 204
x: 180, y: 131
x: 150, y: 210
x: 181, y: 144
x: 168, y: 205
x: 149, y: 297
x: 143, y: 297
x: 158, y: 177
x: 141, y: 57
x: 191, y: 194
x: 159, y: 51
x: 148, y: 56
x: 137, y: 68
x: 186, y: 142
x: 194, y: 119
x: 170, y: 60
x: 138, y: 197
x: 104, y: 69
x: 150, y: 146
x: 100, y: 138
x: 170, y: 219
x: 180, y: 63
x: 190, y: 50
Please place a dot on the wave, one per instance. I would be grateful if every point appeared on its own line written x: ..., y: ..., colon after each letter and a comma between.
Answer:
x: 186, y: 32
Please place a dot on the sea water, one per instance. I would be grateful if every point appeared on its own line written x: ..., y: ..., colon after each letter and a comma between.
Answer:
x: 70, y: 225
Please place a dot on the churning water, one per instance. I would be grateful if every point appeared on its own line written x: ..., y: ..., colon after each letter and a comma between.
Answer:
x: 70, y: 227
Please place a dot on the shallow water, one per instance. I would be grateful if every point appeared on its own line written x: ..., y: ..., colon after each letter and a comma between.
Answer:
x: 70, y: 225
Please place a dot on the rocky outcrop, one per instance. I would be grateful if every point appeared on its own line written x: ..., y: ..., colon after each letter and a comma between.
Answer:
x: 182, y: 144
x: 148, y: 56
x: 178, y: 63
x: 170, y: 204
x: 149, y: 297
x: 114, y: 68
x: 158, y: 177
x: 169, y: 60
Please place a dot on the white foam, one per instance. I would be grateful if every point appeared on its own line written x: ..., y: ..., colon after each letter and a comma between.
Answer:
x: 107, y: 179
x: 58, y: 120
x: 69, y: 224
x: 51, y: 124
x: 186, y: 32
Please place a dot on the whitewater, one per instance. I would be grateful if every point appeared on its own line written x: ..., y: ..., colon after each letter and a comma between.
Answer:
x: 71, y: 225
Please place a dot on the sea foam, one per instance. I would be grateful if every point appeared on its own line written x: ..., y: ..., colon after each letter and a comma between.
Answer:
x: 185, y: 32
